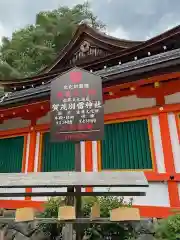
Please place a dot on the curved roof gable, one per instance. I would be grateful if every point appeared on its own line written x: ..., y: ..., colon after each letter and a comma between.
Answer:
x: 87, y: 44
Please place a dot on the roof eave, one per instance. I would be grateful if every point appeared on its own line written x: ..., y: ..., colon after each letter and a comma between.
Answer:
x: 112, y: 78
x: 139, y: 47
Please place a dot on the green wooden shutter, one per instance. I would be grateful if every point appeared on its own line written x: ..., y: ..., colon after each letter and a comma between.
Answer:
x: 11, y: 154
x: 57, y: 156
x: 126, y: 146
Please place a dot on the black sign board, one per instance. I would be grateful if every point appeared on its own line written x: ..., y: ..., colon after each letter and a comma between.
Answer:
x: 77, y: 112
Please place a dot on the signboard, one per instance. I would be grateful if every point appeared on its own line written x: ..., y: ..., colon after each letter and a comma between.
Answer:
x: 77, y: 112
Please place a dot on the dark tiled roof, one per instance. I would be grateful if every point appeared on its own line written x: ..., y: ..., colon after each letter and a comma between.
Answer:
x: 43, y: 90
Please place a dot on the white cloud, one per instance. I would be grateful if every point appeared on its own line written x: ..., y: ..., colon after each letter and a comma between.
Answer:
x: 124, y: 19
x: 165, y: 23
x: 145, y: 7
x: 119, y: 33
x: 3, y: 31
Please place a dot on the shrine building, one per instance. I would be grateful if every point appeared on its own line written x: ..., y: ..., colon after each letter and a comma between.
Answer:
x: 141, y: 90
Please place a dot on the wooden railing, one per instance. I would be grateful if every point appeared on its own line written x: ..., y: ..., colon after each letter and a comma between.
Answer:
x: 124, y: 181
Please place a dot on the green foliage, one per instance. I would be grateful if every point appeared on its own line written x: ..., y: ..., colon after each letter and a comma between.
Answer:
x: 106, y: 204
x: 52, y: 206
x: 168, y: 229
x: 96, y: 231
x: 36, y: 46
x: 92, y: 231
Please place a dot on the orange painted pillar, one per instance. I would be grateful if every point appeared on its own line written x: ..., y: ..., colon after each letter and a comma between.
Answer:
x: 88, y: 160
x: 24, y: 154
x: 169, y: 160
x: 32, y: 149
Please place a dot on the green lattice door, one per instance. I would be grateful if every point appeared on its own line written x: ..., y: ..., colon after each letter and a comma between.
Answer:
x: 11, y: 154
x: 126, y: 146
x: 57, y: 156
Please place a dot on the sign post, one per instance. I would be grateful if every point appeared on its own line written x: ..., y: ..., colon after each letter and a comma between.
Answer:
x: 78, y: 189
x: 77, y: 114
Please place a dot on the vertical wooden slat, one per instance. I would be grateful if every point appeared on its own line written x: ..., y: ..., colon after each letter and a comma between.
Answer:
x: 127, y: 146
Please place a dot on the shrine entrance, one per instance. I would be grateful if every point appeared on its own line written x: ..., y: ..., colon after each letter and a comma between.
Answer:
x: 77, y: 114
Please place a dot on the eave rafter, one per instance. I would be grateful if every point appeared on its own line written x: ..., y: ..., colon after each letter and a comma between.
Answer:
x: 154, y: 87
x: 27, y: 112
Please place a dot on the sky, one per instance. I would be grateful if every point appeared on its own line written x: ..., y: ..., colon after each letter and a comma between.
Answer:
x: 126, y: 19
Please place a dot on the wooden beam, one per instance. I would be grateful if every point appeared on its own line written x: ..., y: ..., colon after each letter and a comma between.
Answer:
x: 77, y: 220
x: 65, y: 179
x: 55, y: 194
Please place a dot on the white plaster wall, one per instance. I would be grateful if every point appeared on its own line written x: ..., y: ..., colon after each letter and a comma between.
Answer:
x: 174, y: 141
x: 161, y: 198
x: 156, y: 194
x: 9, y: 190
x: 128, y: 103
x: 44, y: 119
x: 14, y: 123
x: 36, y: 157
x: 173, y: 98
x: 27, y: 152
x: 159, y: 154
x: 94, y: 156
x: 35, y: 190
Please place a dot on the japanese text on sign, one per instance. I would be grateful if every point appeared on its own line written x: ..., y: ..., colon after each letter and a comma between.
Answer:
x: 76, y: 105
x: 85, y: 108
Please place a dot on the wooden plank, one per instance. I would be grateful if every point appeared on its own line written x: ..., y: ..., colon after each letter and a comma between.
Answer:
x: 2, y: 234
x: 77, y: 220
x: 64, y: 179
x: 55, y: 194
x: 67, y: 232
x: 125, y: 213
x: 67, y: 213
x: 24, y: 214
x: 95, y: 211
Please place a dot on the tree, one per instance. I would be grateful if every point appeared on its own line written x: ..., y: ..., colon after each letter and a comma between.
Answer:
x: 168, y: 229
x: 92, y: 231
x: 36, y: 46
